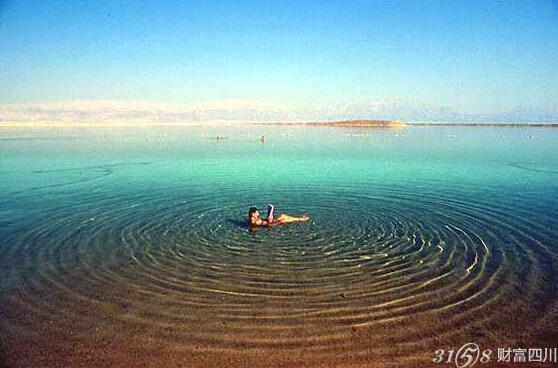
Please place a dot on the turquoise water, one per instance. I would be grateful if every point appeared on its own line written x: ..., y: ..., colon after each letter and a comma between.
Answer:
x: 129, y: 244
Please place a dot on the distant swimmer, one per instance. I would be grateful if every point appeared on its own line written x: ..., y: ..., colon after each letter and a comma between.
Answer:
x: 263, y: 138
x: 254, y: 219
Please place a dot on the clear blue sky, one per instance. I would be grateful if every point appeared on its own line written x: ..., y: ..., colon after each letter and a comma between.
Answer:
x: 468, y: 56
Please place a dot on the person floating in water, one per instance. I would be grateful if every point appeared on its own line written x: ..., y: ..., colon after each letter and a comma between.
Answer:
x: 254, y: 219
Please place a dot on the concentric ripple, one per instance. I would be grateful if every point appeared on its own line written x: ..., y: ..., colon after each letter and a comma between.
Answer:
x: 380, y: 274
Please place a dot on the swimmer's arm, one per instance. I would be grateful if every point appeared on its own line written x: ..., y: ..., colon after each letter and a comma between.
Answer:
x: 270, y: 209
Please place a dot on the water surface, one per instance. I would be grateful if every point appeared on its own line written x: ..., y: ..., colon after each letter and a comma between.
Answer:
x: 128, y: 245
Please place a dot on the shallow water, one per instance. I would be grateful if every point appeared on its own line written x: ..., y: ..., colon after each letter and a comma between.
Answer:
x: 128, y: 245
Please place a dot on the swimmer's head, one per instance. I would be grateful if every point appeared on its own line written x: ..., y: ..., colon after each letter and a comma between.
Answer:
x: 253, y: 215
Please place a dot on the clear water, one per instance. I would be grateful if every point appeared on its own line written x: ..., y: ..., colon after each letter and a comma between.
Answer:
x: 128, y: 245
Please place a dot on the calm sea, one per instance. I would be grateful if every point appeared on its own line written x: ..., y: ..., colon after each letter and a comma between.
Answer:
x: 127, y: 246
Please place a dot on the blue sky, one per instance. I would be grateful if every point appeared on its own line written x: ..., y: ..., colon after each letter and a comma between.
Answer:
x: 475, y: 57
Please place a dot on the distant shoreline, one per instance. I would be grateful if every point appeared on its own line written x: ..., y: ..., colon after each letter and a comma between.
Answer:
x: 384, y: 124
x: 487, y: 125
x: 396, y: 124
x: 360, y: 123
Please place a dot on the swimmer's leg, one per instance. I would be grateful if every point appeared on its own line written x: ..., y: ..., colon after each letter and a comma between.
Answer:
x: 287, y: 219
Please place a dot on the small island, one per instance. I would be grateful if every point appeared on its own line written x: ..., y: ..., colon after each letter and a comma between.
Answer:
x: 379, y: 124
